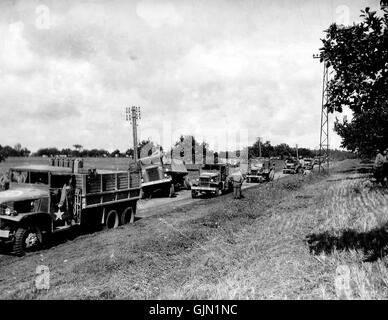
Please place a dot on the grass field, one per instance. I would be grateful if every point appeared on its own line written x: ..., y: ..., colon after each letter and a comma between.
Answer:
x: 300, y: 237
x: 100, y: 163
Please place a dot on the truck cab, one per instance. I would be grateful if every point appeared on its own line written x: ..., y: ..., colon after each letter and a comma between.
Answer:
x: 213, y: 179
x: 28, y: 208
x: 155, y: 178
x: 292, y: 165
x: 308, y: 164
x: 260, y: 169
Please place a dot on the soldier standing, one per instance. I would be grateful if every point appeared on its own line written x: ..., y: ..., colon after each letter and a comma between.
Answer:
x: 4, y: 182
x: 385, y: 169
x: 237, y: 182
x: 378, y: 166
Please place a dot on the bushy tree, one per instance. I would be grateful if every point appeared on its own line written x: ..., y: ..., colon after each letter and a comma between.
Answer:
x: 358, y: 55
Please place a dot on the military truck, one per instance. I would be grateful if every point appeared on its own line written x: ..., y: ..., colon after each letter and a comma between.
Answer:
x: 260, y: 169
x: 176, y: 169
x: 154, y: 178
x: 308, y: 164
x: 45, y: 199
x: 213, y: 179
x: 292, y: 166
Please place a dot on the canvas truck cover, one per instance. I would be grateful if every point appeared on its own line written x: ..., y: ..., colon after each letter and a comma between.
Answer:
x: 178, y: 166
x: 152, y: 160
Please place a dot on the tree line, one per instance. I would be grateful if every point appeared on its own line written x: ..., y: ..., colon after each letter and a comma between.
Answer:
x: 186, y: 147
x: 15, y: 151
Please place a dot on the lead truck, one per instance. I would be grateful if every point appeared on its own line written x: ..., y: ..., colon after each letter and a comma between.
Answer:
x: 45, y: 199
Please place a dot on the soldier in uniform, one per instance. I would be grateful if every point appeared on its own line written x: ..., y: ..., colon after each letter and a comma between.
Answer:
x: 385, y: 169
x: 378, y: 166
x: 4, y: 182
x: 66, y: 200
x: 238, y: 179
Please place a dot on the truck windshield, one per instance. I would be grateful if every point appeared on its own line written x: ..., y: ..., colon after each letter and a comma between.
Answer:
x: 29, y: 177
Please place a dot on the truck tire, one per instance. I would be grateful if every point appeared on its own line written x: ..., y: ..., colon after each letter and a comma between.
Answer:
x: 127, y: 216
x: 112, y: 220
x: 218, y: 192
x: 193, y: 194
x: 27, y: 240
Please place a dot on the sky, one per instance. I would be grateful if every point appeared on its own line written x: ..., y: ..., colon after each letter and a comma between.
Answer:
x: 226, y: 71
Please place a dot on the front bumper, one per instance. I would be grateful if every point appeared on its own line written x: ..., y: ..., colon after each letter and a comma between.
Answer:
x: 259, y: 178
x: 204, y: 189
x: 6, y: 237
x: 153, y: 183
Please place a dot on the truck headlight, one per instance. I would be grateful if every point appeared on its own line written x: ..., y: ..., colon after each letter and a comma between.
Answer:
x: 166, y: 175
x: 212, y: 180
x: 9, y: 212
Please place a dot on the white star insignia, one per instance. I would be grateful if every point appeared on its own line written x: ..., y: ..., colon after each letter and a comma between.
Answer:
x: 58, y: 215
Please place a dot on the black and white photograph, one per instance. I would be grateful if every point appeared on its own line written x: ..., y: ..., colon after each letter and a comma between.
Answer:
x: 193, y: 150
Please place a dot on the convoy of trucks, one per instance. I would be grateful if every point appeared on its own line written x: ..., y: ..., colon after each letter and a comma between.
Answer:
x: 42, y: 200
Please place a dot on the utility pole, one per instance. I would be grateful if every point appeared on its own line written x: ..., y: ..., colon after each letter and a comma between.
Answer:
x: 324, y: 131
x: 259, y: 147
x: 132, y: 115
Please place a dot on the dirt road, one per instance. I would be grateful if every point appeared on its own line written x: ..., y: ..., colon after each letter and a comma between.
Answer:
x: 149, y: 207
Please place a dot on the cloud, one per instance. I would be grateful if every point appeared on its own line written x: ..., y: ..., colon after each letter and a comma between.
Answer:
x: 210, y: 68
x: 157, y: 13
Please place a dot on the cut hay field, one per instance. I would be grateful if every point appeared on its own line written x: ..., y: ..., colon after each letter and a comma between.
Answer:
x: 299, y: 237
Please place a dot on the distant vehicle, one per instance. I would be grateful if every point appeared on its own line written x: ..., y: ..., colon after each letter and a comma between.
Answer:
x: 154, y: 178
x: 292, y: 166
x: 259, y: 170
x: 31, y: 210
x: 213, y: 179
x: 308, y: 164
x: 317, y: 158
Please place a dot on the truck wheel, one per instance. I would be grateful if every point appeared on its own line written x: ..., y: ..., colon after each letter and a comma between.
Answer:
x: 248, y: 180
x: 218, y: 192
x: 193, y: 194
x: 127, y: 216
x: 27, y: 240
x: 112, y: 220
